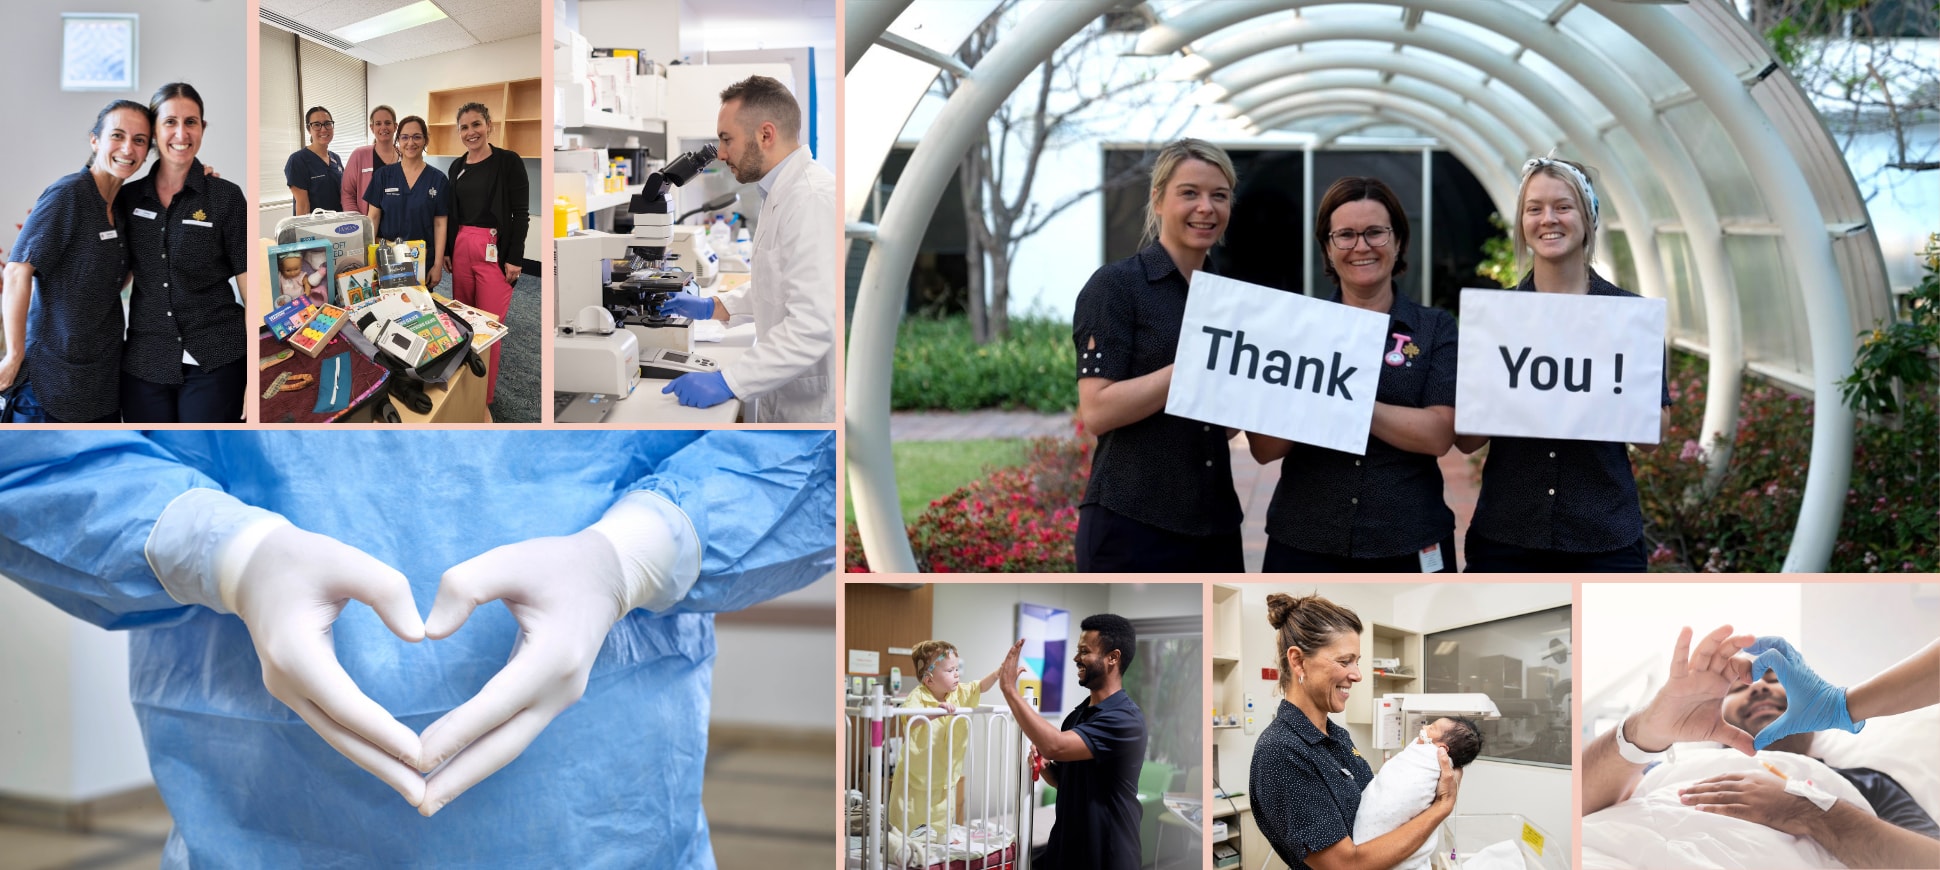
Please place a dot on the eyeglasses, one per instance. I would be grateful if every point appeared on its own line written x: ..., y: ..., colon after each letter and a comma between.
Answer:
x: 1375, y: 236
x: 411, y: 137
x: 322, y: 125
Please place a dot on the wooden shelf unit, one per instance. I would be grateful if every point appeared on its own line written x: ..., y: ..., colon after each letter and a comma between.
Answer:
x: 1384, y: 641
x: 517, y: 117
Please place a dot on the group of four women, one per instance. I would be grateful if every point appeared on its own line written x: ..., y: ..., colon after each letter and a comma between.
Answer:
x: 1161, y: 495
x: 484, y: 192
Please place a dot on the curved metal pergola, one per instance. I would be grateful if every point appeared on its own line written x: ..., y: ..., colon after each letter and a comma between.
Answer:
x: 1734, y: 201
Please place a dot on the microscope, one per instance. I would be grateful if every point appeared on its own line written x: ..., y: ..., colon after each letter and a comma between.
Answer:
x: 629, y: 275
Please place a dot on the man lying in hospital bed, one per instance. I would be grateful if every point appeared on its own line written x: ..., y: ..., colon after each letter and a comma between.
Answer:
x: 1659, y: 792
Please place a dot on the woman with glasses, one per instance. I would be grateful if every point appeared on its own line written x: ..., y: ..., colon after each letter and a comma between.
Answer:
x: 408, y: 199
x: 1382, y: 510
x: 364, y: 162
x: 1551, y: 504
x: 1160, y: 496
x: 315, y: 175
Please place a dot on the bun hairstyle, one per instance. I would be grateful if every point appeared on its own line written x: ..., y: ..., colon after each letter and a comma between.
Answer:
x: 1306, y: 624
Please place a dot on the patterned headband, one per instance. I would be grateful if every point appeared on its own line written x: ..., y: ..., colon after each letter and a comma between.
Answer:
x: 1583, y: 185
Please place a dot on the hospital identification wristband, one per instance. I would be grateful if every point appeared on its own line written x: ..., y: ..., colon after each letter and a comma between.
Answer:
x: 1629, y: 750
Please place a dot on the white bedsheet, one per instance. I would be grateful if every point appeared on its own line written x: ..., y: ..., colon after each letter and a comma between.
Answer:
x: 1653, y: 829
x: 1402, y: 790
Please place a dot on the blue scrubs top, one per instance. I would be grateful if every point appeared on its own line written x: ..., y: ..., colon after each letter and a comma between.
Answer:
x: 614, y: 781
x: 75, y: 322
x: 324, y: 180
x: 408, y: 210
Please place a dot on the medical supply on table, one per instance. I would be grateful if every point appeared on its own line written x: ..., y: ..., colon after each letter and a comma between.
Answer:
x: 595, y: 362
x: 288, y: 383
x: 664, y: 364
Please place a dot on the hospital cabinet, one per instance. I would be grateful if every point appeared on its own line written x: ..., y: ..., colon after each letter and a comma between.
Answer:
x: 517, y: 119
x: 1384, y: 642
x: 1228, y: 692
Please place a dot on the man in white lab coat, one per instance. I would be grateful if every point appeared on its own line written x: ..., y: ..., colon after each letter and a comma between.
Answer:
x: 787, y: 377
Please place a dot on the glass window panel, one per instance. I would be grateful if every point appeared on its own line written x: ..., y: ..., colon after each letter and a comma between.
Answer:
x: 1731, y: 185
x: 1680, y: 275
x: 1769, y: 308
x: 1495, y: 42
x: 1523, y: 664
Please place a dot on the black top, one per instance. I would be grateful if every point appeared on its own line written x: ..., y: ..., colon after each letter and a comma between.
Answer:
x: 74, y: 325
x: 505, y: 208
x: 1891, y: 801
x: 1098, y: 811
x: 323, y: 180
x: 1164, y: 471
x: 409, y: 212
x: 184, y: 256
x: 1387, y: 502
x: 1561, y: 494
x: 1306, y: 786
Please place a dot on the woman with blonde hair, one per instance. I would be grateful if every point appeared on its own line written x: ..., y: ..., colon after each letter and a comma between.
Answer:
x: 1553, y: 504
x: 1160, y: 497
x: 361, y: 169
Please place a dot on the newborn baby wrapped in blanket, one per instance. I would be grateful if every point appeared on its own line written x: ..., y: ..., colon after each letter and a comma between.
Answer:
x: 1405, y: 785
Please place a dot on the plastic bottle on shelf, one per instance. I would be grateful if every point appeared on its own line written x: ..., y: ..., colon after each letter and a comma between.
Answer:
x: 718, y: 235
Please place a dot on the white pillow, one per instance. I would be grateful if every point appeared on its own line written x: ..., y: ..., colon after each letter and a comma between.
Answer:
x: 1905, y: 747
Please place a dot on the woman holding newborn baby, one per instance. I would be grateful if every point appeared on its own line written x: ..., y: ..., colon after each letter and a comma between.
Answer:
x: 1307, y: 777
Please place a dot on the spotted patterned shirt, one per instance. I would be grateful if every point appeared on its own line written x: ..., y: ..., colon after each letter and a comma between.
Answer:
x: 74, y: 324
x: 1163, y: 471
x: 184, y: 256
x: 1306, y: 786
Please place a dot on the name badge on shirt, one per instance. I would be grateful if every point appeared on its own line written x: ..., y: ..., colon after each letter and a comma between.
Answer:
x: 1431, y: 559
x: 390, y: 191
x: 111, y: 234
x: 198, y: 223
x: 144, y: 213
x: 366, y: 169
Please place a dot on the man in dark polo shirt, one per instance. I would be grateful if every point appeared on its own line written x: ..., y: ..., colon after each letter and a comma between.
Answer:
x: 1094, y: 757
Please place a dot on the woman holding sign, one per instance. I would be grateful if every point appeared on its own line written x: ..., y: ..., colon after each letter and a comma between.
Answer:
x: 1381, y: 511
x: 1550, y: 504
x: 1161, y: 494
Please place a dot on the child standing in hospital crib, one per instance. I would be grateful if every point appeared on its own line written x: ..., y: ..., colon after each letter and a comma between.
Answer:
x: 1405, y: 785
x: 933, y: 749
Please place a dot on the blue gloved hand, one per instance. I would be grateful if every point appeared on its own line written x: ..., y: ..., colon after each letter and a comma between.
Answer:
x: 684, y: 304
x: 1811, y: 704
x: 700, y: 389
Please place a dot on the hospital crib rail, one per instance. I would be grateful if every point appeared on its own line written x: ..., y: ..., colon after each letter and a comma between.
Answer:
x: 998, y: 758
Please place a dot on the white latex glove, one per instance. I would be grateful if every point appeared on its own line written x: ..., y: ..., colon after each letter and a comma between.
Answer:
x: 289, y: 586
x: 566, y: 593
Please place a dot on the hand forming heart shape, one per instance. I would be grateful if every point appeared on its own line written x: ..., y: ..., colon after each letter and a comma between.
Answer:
x: 565, y: 592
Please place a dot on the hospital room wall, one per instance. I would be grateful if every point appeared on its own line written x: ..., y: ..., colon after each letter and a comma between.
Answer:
x: 1540, y: 793
x: 777, y: 676
x: 71, y: 732
x: 980, y: 619
x: 200, y: 43
x: 1851, y: 631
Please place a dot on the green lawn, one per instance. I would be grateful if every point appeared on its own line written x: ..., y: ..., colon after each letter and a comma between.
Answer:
x: 928, y: 470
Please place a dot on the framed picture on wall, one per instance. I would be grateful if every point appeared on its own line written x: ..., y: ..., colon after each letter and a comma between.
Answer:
x: 98, y: 51
x: 1047, y: 647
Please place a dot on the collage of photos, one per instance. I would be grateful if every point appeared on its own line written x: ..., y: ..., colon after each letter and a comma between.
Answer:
x: 514, y: 433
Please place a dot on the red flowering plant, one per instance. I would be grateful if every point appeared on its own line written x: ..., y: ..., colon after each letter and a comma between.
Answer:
x: 1017, y: 519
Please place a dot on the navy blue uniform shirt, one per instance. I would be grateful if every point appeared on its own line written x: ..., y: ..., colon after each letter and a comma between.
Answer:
x: 184, y: 256
x: 323, y: 180
x: 1164, y: 471
x: 1098, y: 811
x: 74, y: 326
x: 1388, y: 501
x: 1561, y: 494
x: 409, y: 210
x: 1306, y: 786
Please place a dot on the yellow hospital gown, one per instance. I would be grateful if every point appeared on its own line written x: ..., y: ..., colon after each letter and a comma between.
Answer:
x: 925, y: 757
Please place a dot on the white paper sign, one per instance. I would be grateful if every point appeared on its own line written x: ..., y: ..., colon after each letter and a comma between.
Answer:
x: 1277, y: 363
x: 1551, y: 365
x: 865, y: 661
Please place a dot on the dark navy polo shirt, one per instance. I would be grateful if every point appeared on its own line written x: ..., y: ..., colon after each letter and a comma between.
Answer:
x: 1388, y: 501
x: 408, y: 210
x: 74, y: 325
x: 1890, y: 800
x: 323, y: 180
x: 1164, y: 471
x: 1098, y: 810
x: 184, y: 257
x: 1561, y: 494
x: 1306, y: 786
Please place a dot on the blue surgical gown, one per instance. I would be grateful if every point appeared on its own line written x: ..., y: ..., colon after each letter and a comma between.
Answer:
x: 614, y: 781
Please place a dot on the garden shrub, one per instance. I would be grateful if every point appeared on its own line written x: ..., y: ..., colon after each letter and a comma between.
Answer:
x: 940, y: 367
x: 1018, y: 519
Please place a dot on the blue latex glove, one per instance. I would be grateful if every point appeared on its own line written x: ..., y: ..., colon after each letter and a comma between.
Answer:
x: 684, y: 304
x: 700, y: 389
x: 1811, y: 704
